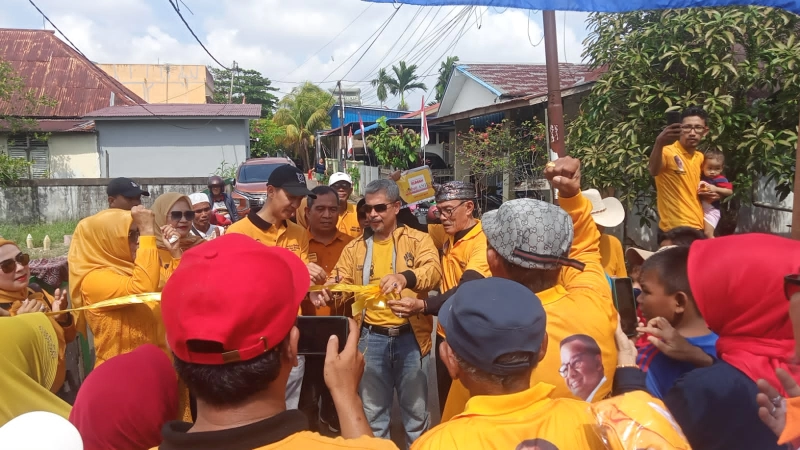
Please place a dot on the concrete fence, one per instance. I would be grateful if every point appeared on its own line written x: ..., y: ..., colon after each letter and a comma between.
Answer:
x: 35, y: 201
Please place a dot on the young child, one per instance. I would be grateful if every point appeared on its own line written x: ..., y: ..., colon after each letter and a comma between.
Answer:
x: 668, y: 306
x: 713, y: 182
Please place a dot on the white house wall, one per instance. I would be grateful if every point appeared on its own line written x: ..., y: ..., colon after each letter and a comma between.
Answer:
x: 73, y: 155
x: 471, y: 96
x: 171, y: 148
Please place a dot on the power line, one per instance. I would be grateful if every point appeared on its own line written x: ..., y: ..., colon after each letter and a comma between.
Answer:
x: 331, y: 41
x: 400, y: 38
x: 54, y: 26
x: 178, y: 11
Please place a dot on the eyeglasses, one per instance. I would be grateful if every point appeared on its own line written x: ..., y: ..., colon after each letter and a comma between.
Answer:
x: 576, y: 363
x: 696, y: 128
x: 201, y: 211
x: 447, y: 212
x: 379, y: 208
x: 10, y: 264
x: 341, y: 186
x: 176, y: 215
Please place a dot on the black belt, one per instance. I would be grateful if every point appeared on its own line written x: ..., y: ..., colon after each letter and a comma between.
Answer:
x: 391, y: 332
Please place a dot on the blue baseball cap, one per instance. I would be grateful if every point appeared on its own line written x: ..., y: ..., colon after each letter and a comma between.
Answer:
x: 488, y: 318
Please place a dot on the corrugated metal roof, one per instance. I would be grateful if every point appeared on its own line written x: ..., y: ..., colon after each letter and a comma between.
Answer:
x: 178, y: 110
x: 58, y: 125
x: 519, y: 80
x: 53, y: 69
x: 368, y: 114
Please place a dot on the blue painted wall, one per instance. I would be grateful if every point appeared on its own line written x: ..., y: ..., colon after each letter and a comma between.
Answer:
x: 368, y: 114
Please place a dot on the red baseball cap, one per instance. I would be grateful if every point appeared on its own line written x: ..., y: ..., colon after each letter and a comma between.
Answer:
x: 235, y: 291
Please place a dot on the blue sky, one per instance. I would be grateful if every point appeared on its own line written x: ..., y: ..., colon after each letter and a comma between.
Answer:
x: 285, y: 39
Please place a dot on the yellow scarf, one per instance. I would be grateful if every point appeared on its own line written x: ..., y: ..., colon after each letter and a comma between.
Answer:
x: 28, y: 367
x: 161, y: 209
x: 15, y: 297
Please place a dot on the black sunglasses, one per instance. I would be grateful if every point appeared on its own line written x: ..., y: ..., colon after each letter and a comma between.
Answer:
x: 10, y: 264
x: 176, y: 215
x: 379, y: 208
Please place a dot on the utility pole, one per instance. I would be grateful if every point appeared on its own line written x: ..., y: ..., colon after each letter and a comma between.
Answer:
x: 167, y: 68
x: 555, y: 109
x: 342, y: 141
x: 230, y: 92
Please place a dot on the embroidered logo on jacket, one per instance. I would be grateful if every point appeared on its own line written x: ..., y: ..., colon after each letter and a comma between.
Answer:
x: 409, y: 259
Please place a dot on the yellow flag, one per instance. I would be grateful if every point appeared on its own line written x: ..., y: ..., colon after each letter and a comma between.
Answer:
x: 369, y: 295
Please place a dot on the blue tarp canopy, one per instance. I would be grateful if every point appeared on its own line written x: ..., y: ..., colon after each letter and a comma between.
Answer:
x: 609, y: 6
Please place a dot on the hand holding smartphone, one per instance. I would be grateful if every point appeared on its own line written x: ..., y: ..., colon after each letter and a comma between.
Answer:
x: 626, y: 305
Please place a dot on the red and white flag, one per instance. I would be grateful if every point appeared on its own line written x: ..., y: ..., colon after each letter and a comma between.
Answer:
x: 350, y: 143
x: 424, y: 137
x: 363, y: 135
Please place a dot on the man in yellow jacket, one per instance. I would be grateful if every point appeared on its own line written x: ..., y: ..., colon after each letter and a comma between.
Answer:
x: 404, y: 262
x: 531, y: 242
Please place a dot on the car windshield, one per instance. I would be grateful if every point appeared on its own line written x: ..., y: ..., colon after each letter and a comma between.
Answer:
x: 256, y: 173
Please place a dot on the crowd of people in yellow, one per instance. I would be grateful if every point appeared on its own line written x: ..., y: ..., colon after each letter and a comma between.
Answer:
x: 529, y: 351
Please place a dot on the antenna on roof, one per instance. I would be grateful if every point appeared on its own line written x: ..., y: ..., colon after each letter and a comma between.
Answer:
x: 113, y: 98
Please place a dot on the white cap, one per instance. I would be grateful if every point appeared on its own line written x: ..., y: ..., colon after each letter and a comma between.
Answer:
x: 198, y: 197
x: 607, y: 212
x: 40, y: 430
x: 339, y: 176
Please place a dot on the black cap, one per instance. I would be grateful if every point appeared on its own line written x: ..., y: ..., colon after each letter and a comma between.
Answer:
x: 493, y: 317
x: 290, y: 179
x: 126, y: 188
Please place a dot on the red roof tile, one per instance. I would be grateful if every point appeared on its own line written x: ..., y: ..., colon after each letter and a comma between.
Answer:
x: 520, y: 80
x: 51, y: 68
x: 179, y: 110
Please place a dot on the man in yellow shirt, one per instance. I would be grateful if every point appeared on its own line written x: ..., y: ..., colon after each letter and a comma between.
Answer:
x: 494, y: 351
x: 325, y: 245
x: 348, y: 219
x: 463, y: 259
x: 531, y: 242
x: 236, y: 359
x: 676, y: 164
x: 403, y: 262
x: 608, y: 213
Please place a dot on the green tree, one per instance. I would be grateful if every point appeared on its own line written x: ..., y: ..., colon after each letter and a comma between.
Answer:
x: 266, y: 138
x: 18, y: 105
x: 302, y: 113
x: 741, y: 64
x: 404, y: 80
x: 394, y: 147
x: 382, y: 82
x: 249, y: 86
x: 445, y: 71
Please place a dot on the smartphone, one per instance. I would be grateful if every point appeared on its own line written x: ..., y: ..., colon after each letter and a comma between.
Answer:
x: 673, y: 117
x: 626, y: 305
x: 316, y: 330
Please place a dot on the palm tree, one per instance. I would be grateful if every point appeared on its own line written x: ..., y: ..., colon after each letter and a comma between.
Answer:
x: 405, y: 80
x: 445, y: 70
x: 301, y: 114
x: 382, y: 83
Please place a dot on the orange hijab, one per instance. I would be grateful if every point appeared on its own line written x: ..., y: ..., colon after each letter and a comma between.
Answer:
x: 12, y: 297
x: 161, y: 208
x: 99, y: 242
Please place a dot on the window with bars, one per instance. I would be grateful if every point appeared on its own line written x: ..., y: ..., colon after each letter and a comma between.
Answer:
x: 36, y: 151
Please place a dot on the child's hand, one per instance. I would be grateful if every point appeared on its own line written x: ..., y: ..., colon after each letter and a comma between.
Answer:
x: 667, y: 339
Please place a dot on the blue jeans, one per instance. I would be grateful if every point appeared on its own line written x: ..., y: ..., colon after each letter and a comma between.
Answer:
x: 394, y: 363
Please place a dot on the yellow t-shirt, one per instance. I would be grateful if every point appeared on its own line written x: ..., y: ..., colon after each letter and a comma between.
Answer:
x: 347, y: 222
x: 288, y: 235
x: 468, y: 253
x: 382, y: 257
x: 676, y: 188
x: 612, y: 256
x: 518, y: 421
x: 581, y: 315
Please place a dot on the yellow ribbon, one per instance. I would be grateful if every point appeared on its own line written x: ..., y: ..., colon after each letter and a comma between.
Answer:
x: 121, y: 301
x: 369, y: 295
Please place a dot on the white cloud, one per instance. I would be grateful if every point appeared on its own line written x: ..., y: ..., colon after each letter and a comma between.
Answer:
x: 277, y: 36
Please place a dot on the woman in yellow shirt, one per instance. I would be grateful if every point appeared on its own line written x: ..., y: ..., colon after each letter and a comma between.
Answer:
x: 114, y: 254
x: 174, y: 216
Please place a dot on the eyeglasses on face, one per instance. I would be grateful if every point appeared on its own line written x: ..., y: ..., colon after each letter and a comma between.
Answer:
x: 379, y: 208
x: 176, y: 215
x: 576, y: 363
x: 447, y: 212
x: 341, y: 186
x: 10, y: 264
x: 695, y: 128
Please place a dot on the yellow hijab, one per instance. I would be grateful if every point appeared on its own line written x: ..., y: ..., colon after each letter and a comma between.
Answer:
x: 12, y: 297
x: 99, y: 242
x: 161, y: 208
x: 28, y: 367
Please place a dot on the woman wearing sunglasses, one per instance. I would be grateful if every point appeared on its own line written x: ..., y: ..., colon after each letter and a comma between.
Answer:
x: 174, y: 216
x: 114, y: 254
